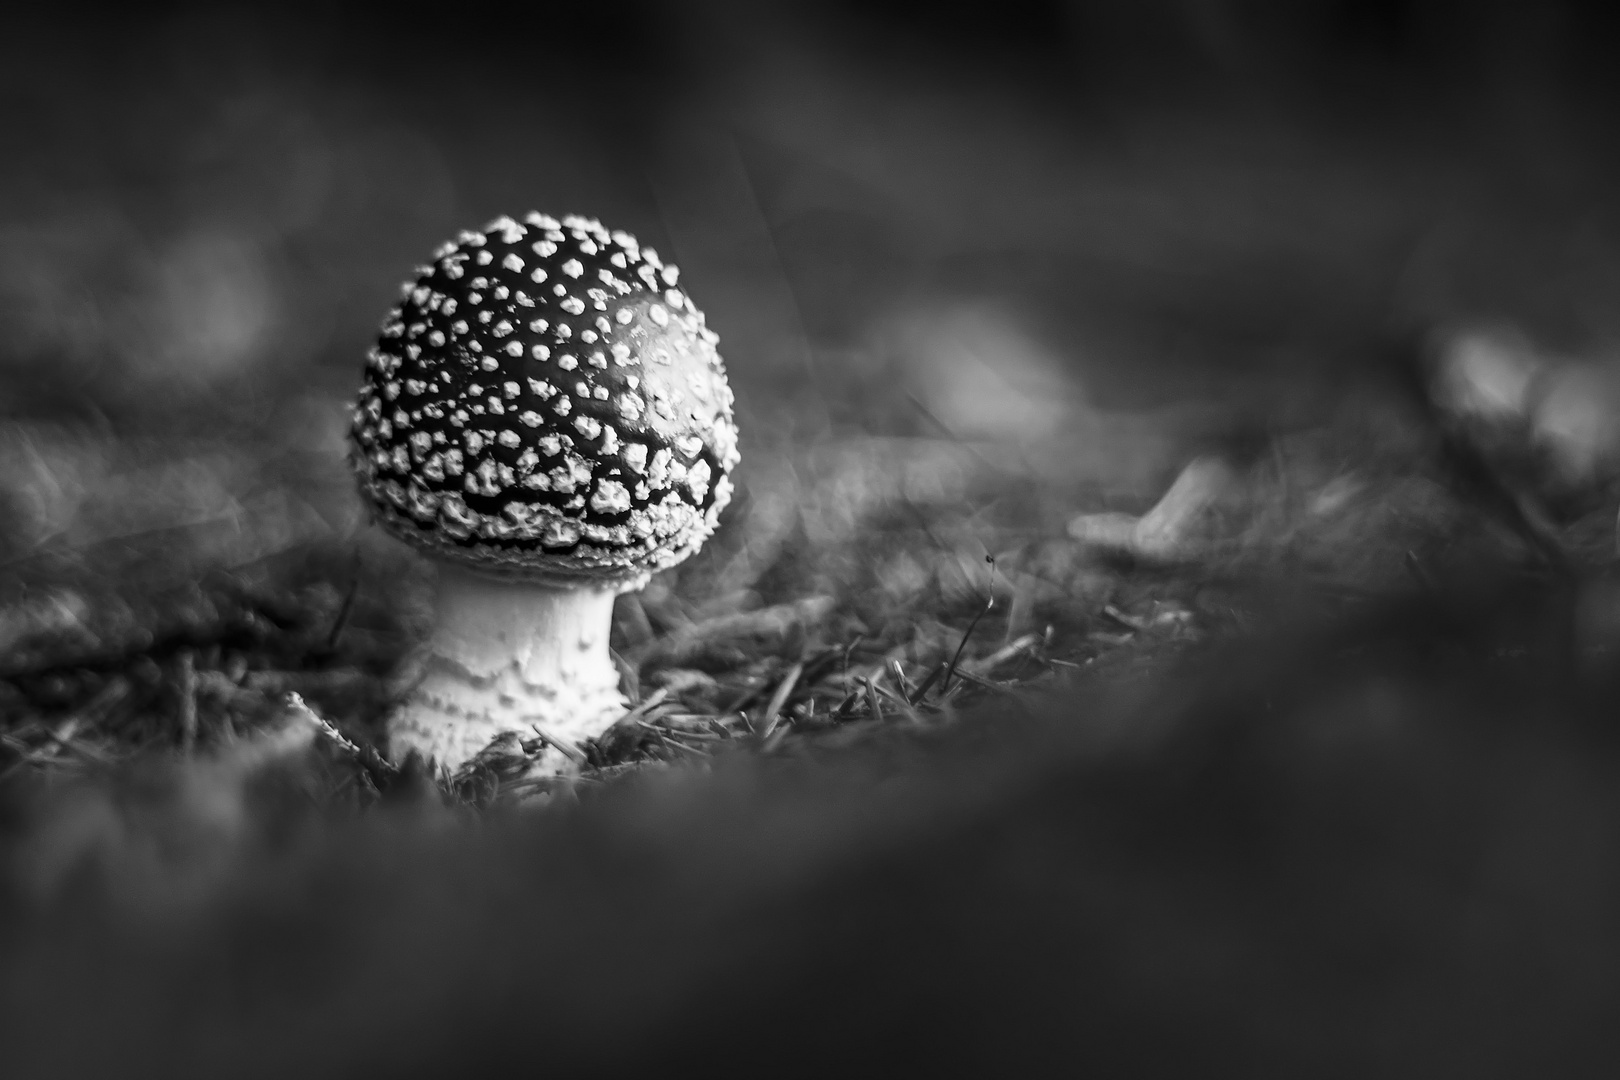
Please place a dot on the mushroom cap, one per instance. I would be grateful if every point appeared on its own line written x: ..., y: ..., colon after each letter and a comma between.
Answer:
x: 546, y: 403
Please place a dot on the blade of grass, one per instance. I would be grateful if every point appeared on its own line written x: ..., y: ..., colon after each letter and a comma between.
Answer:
x: 569, y: 750
x: 968, y: 633
x: 927, y: 684
x: 901, y: 683
x: 1005, y: 653
x: 778, y: 699
x: 642, y: 708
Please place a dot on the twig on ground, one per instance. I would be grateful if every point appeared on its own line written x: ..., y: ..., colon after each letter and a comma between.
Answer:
x: 368, y: 757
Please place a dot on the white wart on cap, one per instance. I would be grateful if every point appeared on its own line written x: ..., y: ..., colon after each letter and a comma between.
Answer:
x: 546, y: 403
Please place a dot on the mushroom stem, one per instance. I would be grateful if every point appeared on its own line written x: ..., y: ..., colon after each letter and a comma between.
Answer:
x: 506, y: 656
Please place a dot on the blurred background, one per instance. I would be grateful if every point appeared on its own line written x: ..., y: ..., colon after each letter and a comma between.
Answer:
x: 902, y: 219
x: 223, y: 196
x: 1122, y: 227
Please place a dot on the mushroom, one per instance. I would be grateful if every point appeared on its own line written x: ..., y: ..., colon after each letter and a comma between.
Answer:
x: 546, y: 417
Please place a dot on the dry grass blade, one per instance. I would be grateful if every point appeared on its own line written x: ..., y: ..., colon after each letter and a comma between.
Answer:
x: 872, y: 704
x: 1129, y: 622
x: 898, y: 674
x: 968, y: 633
x: 927, y: 684
x: 988, y: 684
x: 777, y: 738
x: 774, y: 709
x: 634, y: 715
x: 1003, y: 654
x: 568, y: 749
x: 901, y: 702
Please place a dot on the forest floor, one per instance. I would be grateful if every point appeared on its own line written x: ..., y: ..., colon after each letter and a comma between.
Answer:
x: 893, y: 644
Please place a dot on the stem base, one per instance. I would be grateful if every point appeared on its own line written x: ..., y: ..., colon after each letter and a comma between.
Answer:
x: 510, y: 658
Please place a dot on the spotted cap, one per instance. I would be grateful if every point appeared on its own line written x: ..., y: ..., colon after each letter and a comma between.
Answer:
x: 546, y: 403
